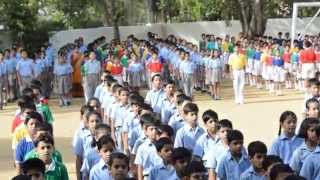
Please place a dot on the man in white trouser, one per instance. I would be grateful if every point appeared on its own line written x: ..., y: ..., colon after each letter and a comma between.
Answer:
x: 237, y: 64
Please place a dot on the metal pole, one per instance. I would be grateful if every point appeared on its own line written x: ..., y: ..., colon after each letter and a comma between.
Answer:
x: 313, y: 18
x: 293, y: 24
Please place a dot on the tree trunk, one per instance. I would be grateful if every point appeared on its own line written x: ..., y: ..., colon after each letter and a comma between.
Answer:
x: 116, y: 30
x: 115, y: 20
x: 244, y: 17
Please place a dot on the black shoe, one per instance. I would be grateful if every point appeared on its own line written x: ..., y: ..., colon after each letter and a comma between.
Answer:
x: 68, y: 103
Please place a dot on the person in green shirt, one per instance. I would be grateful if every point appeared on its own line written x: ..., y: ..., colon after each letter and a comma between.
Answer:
x: 54, y: 170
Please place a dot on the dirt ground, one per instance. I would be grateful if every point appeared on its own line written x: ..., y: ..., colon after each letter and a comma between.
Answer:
x: 257, y: 119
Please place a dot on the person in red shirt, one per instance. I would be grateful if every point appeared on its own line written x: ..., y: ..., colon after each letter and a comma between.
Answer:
x: 317, y: 52
x: 307, y: 60
x: 26, y: 108
x: 116, y: 70
x: 154, y: 66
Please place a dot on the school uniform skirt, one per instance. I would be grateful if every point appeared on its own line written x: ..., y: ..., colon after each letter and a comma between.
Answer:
x: 208, y: 76
x: 63, y: 84
x: 135, y: 78
x: 249, y: 67
x: 288, y: 67
x: 308, y: 70
x: 119, y: 78
x: 216, y: 75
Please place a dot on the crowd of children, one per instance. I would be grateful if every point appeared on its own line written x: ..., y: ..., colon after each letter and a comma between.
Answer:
x: 123, y: 135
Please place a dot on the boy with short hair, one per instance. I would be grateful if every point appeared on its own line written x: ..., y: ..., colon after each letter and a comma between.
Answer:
x: 181, y: 157
x: 208, y: 139
x: 257, y: 151
x: 34, y: 168
x: 54, y: 170
x: 165, y: 131
x: 155, y: 96
x: 196, y: 171
x: 176, y: 121
x: 165, y: 170
x: 188, y: 135
x: 147, y: 157
x: 234, y: 162
x: 119, y: 166
x: 168, y: 106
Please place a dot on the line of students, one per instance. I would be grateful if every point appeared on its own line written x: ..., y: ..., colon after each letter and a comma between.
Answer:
x: 150, y: 149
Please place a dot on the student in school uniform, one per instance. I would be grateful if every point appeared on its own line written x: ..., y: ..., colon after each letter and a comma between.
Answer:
x: 118, y: 116
x: 3, y: 79
x: 99, y: 92
x: 168, y: 106
x: 63, y: 72
x: 257, y: 66
x: 117, y: 70
x: 155, y: 96
x: 235, y: 161
x: 92, y: 154
x: 287, y: 141
x: 307, y: 60
x: 38, y: 66
x: 177, y: 121
x: 250, y: 51
x: 215, y: 153
x: 11, y: 62
x: 106, y: 147
x: 308, y: 132
x: 154, y: 66
x: 25, y: 70
x: 208, y: 139
x: 166, y: 170
x: 147, y: 157
x: 187, y: 68
x: 119, y: 166
x: 208, y: 70
x: 216, y: 76
x: 54, y: 169
x: 92, y: 69
x: 135, y: 72
x: 257, y: 151
x: 188, y: 135
x: 279, y: 73
x: 26, y: 144
x: 311, y: 164
x: 237, y: 63
x: 34, y: 169
x: 288, y: 67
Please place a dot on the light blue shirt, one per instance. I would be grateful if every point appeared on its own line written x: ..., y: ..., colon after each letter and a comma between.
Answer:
x: 135, y: 67
x: 168, y: 109
x: 154, y: 98
x: 299, y: 156
x: 311, y: 166
x: 119, y: 114
x: 231, y: 169
x: 80, y: 142
x: 92, y: 67
x: 62, y: 69
x: 204, y: 143
x: 187, y: 67
x: 176, y: 122
x: 98, y: 91
x: 91, y: 158
x: 216, y: 63
x: 147, y: 157
x: 187, y: 137
x: 25, y: 68
x: 163, y: 172
x: 38, y: 67
x: 100, y: 171
x: 214, y: 154
x: 49, y: 56
x: 3, y: 68
x: 11, y: 64
x: 251, y: 174
x: 284, y: 147
x: 140, y: 140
